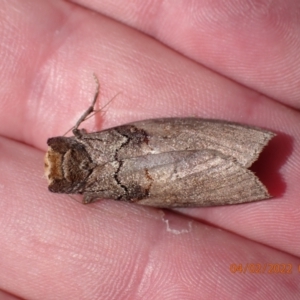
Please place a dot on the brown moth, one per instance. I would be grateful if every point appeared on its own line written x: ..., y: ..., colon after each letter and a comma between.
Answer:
x: 167, y: 162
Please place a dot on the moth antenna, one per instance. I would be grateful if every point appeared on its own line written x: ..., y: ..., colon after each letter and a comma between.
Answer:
x: 91, y: 111
x: 101, y: 109
x: 91, y: 108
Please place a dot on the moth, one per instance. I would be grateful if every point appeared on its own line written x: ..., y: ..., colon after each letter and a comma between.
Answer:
x: 166, y: 162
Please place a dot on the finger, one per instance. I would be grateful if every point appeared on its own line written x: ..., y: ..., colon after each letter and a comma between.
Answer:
x: 256, y: 44
x: 44, y: 99
x: 48, y: 99
x: 60, y: 249
x: 7, y: 296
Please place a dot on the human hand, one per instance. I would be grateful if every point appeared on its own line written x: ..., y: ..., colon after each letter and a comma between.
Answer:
x: 178, y: 58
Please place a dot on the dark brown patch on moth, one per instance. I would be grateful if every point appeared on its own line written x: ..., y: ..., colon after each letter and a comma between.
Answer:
x: 168, y: 162
x: 135, y: 135
x: 148, y: 175
x: 135, y: 192
x: 67, y: 165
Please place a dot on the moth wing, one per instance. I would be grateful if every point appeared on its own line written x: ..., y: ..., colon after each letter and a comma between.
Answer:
x: 242, y: 142
x: 191, y: 178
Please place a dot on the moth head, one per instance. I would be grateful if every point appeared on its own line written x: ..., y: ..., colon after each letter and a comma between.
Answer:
x: 67, y: 165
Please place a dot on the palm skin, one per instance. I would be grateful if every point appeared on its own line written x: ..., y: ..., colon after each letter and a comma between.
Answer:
x: 175, y: 58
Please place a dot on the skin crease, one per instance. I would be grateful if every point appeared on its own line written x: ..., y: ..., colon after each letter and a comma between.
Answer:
x: 209, y: 59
